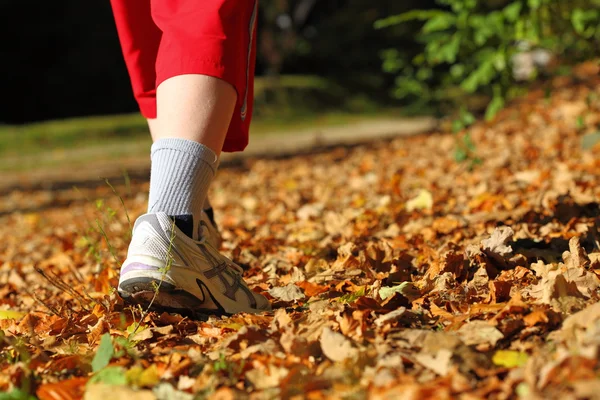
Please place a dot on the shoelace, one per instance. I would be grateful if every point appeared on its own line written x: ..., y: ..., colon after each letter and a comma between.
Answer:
x: 202, y: 240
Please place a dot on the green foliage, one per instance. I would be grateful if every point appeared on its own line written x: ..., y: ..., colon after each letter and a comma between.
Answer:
x: 104, y: 353
x: 350, y: 298
x: 110, y: 376
x: 228, y: 369
x: 16, y: 394
x: 465, y: 148
x: 467, y: 46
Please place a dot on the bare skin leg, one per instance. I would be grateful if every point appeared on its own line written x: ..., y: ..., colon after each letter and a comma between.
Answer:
x: 194, y: 107
x: 153, y: 125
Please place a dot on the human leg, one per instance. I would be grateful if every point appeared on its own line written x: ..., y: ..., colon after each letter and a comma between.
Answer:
x: 202, y: 67
x: 140, y: 40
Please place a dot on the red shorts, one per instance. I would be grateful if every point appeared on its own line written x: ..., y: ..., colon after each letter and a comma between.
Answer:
x: 165, y: 38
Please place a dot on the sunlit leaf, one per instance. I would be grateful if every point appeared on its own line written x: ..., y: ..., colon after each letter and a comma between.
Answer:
x: 110, y: 376
x: 509, y: 358
x: 9, y: 314
x: 423, y: 201
x: 104, y: 353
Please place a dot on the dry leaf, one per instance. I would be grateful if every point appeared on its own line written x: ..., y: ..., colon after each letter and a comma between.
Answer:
x: 266, y: 377
x: 423, y: 201
x: 438, y: 363
x: 289, y: 292
x: 479, y: 332
x: 336, y: 347
x: 496, y: 245
x: 391, y: 316
x: 100, y: 391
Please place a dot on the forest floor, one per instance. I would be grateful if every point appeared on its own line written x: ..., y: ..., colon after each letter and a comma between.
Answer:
x: 394, y: 270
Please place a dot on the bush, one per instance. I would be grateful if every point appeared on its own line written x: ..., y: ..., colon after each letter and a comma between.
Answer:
x: 485, y: 47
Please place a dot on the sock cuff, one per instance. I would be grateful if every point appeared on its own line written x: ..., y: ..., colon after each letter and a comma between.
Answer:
x: 194, y: 149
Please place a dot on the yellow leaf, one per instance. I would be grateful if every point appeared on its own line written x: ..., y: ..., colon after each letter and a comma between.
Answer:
x: 32, y: 218
x: 139, y: 377
x: 290, y: 184
x: 233, y: 326
x: 423, y: 201
x: 509, y: 358
x: 149, y: 378
x: 131, y: 328
x: 133, y: 374
x: 9, y: 314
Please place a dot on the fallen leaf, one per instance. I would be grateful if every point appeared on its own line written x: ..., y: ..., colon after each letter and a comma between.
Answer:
x: 266, y: 377
x: 479, y: 332
x: 391, y: 316
x: 140, y: 377
x: 585, y: 319
x: 509, y: 358
x: 149, y: 333
x: 438, y: 363
x: 100, y: 391
x: 423, y: 201
x: 166, y: 391
x: 336, y: 346
x: 111, y: 375
x: 407, y: 289
x: 290, y: 292
x: 576, y: 257
x: 104, y: 353
x: 9, y: 314
x: 69, y: 389
x: 497, y: 245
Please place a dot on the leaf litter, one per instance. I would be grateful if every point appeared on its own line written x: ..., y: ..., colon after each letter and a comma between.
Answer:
x: 394, y: 272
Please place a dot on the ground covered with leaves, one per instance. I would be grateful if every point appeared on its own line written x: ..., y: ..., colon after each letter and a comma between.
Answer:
x: 394, y: 272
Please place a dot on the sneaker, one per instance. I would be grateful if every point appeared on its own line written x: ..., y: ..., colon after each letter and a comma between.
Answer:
x: 169, y: 270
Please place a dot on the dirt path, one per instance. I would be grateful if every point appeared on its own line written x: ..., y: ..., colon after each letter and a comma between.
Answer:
x: 78, y: 166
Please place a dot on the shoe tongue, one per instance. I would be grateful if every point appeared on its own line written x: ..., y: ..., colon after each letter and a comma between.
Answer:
x: 185, y: 223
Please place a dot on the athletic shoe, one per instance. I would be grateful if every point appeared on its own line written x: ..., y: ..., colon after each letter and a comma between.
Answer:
x: 169, y: 270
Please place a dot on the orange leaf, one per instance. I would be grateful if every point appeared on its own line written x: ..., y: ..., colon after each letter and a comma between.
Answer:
x: 71, y: 389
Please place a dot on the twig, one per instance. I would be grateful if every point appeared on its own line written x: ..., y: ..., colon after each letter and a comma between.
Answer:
x: 122, y: 202
x: 63, y: 286
x: 166, y: 269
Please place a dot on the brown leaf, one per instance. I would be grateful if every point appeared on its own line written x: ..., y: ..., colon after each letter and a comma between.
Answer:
x: 288, y: 293
x: 101, y: 391
x: 499, y: 291
x: 336, y: 347
x: 311, y: 289
x: 391, y: 316
x: 479, y: 332
x: 266, y: 377
x: 438, y: 363
x: 496, y: 246
x: 576, y: 257
x: 583, y: 320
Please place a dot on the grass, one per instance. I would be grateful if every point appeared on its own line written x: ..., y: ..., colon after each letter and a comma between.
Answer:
x: 288, y: 104
x: 78, y: 140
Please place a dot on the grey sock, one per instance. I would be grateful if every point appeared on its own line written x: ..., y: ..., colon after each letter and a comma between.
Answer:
x: 180, y: 175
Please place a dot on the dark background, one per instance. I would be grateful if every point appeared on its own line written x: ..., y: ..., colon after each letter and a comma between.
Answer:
x: 62, y: 59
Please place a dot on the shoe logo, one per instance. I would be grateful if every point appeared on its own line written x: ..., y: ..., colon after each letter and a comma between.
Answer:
x: 201, y: 286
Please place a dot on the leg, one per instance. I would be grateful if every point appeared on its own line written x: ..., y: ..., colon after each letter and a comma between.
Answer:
x: 197, y: 108
x: 203, y: 104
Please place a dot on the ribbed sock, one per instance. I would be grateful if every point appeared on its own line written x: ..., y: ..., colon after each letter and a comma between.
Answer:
x: 180, y: 176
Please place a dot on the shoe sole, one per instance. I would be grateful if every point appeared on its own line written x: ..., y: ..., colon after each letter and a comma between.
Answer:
x: 145, y: 284
x: 158, y: 295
